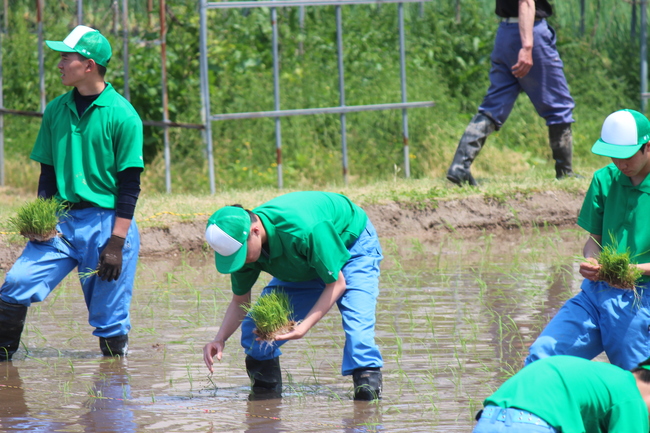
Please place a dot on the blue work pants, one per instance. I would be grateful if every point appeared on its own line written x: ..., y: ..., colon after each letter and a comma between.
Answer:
x: 43, y: 265
x: 511, y: 420
x: 599, y: 318
x: 545, y: 83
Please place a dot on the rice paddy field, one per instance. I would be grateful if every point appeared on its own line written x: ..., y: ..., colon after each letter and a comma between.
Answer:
x: 455, y: 318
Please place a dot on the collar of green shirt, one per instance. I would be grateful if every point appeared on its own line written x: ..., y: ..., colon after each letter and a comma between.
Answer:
x: 103, y: 100
x: 627, y: 182
x: 275, y: 246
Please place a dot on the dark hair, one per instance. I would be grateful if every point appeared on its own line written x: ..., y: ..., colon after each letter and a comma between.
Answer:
x: 642, y: 373
x: 101, y: 70
x: 252, y: 216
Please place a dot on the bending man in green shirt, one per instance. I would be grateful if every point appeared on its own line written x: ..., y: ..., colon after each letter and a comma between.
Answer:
x: 570, y: 395
x: 320, y: 249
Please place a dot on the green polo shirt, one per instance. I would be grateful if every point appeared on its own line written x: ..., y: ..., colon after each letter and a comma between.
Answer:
x: 87, y: 152
x: 613, y: 205
x: 308, y: 235
x: 575, y: 395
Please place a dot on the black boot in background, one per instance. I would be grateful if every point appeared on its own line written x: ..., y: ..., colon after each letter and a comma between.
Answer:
x: 12, y: 322
x: 266, y: 378
x: 367, y: 383
x: 114, y: 346
x: 560, y: 139
x: 468, y: 148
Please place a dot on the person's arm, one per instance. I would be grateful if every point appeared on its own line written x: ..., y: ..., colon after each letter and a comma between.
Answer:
x: 231, y: 321
x: 330, y: 295
x: 110, y: 259
x: 526, y: 23
x: 590, y: 267
x: 47, y: 187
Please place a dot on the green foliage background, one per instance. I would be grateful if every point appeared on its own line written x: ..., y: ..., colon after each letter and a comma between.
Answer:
x: 447, y: 62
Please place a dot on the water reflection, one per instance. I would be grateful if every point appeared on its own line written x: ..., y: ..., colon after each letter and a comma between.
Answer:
x: 455, y: 317
x: 14, y: 412
x: 107, y: 406
x: 264, y: 416
x: 12, y: 396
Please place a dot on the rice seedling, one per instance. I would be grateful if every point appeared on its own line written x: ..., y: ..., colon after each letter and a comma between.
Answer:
x: 617, y: 269
x: 87, y: 274
x: 37, y: 220
x: 272, y: 315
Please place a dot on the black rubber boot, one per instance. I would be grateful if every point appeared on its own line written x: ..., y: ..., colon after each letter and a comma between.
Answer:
x: 367, y: 383
x: 114, y: 346
x: 561, y: 141
x: 12, y: 322
x: 266, y: 378
x: 468, y: 148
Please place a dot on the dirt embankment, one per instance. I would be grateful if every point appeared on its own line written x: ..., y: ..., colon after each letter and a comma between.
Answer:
x: 394, y: 219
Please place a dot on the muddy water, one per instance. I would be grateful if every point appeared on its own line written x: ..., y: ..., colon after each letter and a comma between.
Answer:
x: 455, y: 318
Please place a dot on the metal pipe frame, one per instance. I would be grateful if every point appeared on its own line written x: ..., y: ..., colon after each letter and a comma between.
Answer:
x: 291, y: 3
x: 342, y: 109
x: 2, y: 99
x: 205, y: 91
x: 276, y: 95
x: 163, y: 89
x: 325, y: 110
x: 402, y: 73
x: 41, y: 57
x: 125, y: 47
x: 644, y: 53
x: 339, y: 52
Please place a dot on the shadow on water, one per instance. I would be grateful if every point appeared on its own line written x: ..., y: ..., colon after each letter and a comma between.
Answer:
x: 455, y: 318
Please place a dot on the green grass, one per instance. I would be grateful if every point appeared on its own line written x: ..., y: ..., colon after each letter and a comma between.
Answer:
x: 447, y: 62
x: 416, y: 194
x: 271, y: 314
x: 37, y: 219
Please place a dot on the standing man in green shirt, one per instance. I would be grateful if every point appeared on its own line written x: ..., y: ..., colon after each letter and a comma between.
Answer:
x: 90, y: 150
x: 568, y: 394
x: 603, y: 317
x: 321, y: 249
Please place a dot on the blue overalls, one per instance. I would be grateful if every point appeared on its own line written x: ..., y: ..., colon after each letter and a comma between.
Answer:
x: 84, y: 234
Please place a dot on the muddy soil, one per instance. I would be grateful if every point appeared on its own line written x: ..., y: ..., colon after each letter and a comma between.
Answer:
x: 465, y: 217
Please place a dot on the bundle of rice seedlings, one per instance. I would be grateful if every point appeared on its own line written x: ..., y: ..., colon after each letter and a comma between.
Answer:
x: 37, y: 220
x: 617, y: 269
x: 272, y: 315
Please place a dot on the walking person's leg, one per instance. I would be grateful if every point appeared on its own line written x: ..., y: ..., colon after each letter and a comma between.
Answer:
x: 495, y: 108
x: 547, y: 88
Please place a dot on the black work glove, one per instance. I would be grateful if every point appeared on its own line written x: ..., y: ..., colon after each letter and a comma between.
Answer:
x: 110, y: 260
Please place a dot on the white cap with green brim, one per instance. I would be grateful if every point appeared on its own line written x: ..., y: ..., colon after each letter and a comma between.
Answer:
x: 86, y: 41
x: 623, y: 134
x: 227, y: 232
